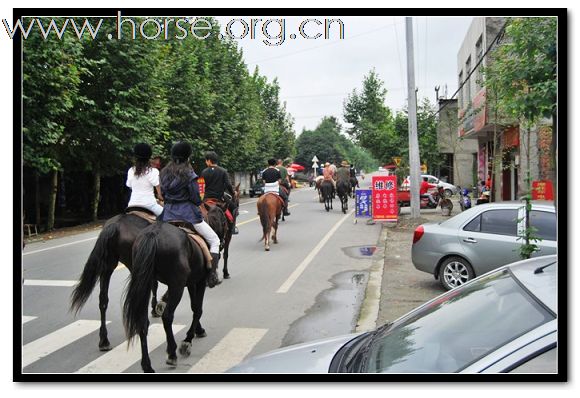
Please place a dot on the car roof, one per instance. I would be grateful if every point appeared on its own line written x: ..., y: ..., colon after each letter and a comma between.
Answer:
x: 540, y: 276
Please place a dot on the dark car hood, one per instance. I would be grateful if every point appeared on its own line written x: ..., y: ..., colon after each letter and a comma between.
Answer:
x: 314, y: 357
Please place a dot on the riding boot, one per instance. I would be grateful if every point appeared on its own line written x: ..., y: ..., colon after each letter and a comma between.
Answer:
x: 286, y: 212
x: 212, y: 278
x: 235, y: 231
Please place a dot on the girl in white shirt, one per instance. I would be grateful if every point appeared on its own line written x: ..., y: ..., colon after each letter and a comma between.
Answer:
x: 142, y: 178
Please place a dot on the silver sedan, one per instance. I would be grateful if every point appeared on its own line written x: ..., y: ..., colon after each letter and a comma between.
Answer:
x: 505, y: 321
x: 480, y: 239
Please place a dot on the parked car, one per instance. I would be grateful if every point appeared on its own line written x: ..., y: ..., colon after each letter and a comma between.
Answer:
x: 450, y: 189
x: 257, y: 189
x: 502, y: 322
x: 480, y: 239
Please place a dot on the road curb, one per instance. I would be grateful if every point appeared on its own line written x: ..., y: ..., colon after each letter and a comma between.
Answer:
x: 369, y: 310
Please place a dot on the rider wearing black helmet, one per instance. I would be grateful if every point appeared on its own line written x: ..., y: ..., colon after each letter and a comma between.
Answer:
x: 142, y: 178
x: 182, y: 200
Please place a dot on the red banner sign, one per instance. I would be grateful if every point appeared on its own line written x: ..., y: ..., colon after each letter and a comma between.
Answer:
x: 542, y: 190
x: 384, y: 190
x: 201, y: 183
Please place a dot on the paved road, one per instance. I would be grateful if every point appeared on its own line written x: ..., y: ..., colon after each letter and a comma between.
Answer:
x: 308, y: 286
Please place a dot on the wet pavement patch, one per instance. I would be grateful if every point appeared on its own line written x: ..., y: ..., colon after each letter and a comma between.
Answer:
x: 335, y: 311
x: 369, y: 251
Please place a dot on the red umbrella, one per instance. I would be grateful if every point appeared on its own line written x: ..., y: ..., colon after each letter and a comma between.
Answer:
x: 291, y: 170
x: 297, y: 167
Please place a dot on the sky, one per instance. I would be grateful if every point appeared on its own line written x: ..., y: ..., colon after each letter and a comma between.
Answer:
x: 316, y: 75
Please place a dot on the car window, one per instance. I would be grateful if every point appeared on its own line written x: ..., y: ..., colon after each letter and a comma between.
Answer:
x: 474, y: 225
x: 457, y: 329
x: 545, y: 222
x: 546, y: 362
x: 500, y: 222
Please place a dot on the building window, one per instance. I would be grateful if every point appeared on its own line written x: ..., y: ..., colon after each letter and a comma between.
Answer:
x: 460, y: 91
x: 467, y: 82
x: 479, y: 55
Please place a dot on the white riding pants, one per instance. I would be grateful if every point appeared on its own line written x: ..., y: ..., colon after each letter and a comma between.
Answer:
x: 209, y: 235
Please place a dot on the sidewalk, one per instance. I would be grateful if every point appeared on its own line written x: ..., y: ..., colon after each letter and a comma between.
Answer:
x: 404, y: 288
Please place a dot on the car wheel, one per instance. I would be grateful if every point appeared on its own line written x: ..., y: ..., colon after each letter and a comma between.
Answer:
x: 455, y: 271
x: 448, y: 192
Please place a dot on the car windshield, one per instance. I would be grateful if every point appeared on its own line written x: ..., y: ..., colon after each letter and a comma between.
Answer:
x: 457, y: 329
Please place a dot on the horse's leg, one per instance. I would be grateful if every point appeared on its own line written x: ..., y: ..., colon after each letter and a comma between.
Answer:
x: 104, y: 344
x: 226, y: 254
x: 175, y: 294
x: 275, y: 228
x: 160, y: 307
x: 154, y: 313
x: 145, y: 360
x: 196, y: 293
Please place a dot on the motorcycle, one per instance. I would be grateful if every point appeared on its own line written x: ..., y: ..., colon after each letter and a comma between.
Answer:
x: 464, y: 199
x: 404, y: 200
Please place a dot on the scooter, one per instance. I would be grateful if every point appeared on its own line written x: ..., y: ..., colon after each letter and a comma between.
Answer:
x: 464, y: 199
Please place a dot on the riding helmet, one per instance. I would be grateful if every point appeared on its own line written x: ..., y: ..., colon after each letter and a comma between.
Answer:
x: 181, y: 151
x: 142, y: 151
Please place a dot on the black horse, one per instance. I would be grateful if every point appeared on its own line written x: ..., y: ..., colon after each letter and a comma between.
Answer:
x: 353, y: 185
x: 113, y: 245
x: 164, y: 253
x: 343, y: 191
x: 327, y: 190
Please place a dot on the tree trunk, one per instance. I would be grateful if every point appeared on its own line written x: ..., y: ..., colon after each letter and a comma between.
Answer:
x: 96, y: 195
x: 52, y: 199
x: 37, y: 198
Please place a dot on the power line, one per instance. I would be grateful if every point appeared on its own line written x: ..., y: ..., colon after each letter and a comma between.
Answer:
x: 496, y: 38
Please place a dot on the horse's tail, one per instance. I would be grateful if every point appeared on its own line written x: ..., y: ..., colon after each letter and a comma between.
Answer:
x: 135, y: 317
x: 264, y: 218
x: 99, y: 259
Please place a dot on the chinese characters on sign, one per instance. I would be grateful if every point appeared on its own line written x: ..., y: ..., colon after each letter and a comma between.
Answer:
x: 363, y: 206
x: 384, y: 196
x: 542, y: 190
x: 201, y: 183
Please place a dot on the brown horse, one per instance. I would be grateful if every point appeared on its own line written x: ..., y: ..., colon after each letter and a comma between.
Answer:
x: 269, y: 209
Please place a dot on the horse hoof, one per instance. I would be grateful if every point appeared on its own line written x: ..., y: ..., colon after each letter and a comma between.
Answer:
x: 150, y: 370
x: 267, y: 249
x: 171, y: 362
x: 201, y: 334
x: 226, y: 276
x: 105, y: 347
x: 159, y: 308
x: 185, y: 349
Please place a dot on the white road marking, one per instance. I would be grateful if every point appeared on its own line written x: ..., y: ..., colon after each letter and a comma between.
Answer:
x: 247, y: 203
x: 27, y: 318
x: 40, y: 282
x: 298, y: 271
x: 230, y: 351
x: 58, y: 246
x: 48, y: 344
x: 122, y: 357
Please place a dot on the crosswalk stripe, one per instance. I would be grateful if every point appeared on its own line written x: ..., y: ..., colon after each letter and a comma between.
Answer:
x: 40, y: 282
x: 46, y: 345
x: 27, y: 318
x: 230, y: 351
x: 121, y: 358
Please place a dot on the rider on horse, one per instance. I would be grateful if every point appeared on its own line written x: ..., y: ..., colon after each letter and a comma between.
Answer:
x: 343, y: 172
x: 182, y: 200
x: 272, y: 178
x: 217, y: 183
x: 285, y: 182
x: 142, y: 178
x: 328, y: 174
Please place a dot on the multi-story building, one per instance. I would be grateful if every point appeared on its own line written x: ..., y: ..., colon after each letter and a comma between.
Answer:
x: 461, y: 153
x: 477, y: 121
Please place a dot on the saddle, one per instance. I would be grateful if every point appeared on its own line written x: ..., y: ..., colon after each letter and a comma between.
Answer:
x: 145, y: 214
x: 195, y: 238
x: 277, y: 196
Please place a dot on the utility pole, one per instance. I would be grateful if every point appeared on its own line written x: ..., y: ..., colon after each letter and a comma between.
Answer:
x: 415, y: 172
